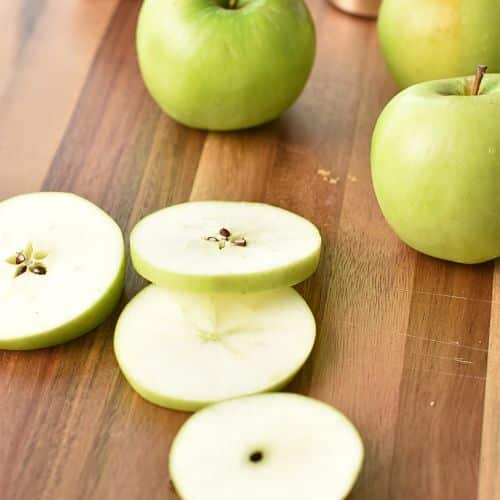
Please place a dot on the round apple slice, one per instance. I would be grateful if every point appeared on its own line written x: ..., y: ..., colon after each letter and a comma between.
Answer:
x: 62, y: 266
x: 270, y: 446
x: 217, y: 246
x: 186, y: 350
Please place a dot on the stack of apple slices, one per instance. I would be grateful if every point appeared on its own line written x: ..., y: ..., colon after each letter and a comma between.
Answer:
x: 220, y: 319
x: 221, y: 324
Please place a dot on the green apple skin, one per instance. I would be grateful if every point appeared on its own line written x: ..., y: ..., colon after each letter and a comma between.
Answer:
x: 80, y: 325
x: 436, y: 169
x: 191, y: 405
x: 436, y: 39
x: 256, y: 282
x: 214, y: 68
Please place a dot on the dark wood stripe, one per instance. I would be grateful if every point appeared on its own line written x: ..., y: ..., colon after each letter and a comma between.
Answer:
x: 122, y: 153
x: 30, y: 12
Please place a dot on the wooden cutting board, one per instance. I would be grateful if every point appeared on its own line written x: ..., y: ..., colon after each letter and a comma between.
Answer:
x: 408, y: 346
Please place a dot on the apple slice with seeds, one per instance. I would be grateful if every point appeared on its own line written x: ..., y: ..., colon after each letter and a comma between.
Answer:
x: 218, y: 246
x: 270, y: 446
x: 62, y: 267
x: 185, y: 350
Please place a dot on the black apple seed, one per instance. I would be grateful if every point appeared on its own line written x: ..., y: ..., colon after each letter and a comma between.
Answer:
x: 256, y: 456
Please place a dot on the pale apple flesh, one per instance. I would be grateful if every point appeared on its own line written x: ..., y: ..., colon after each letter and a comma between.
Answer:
x: 62, y: 267
x: 270, y: 446
x: 436, y: 39
x: 218, y: 68
x: 265, y: 248
x: 436, y: 168
x: 186, y: 350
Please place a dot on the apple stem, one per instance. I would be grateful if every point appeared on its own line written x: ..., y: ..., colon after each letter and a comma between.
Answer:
x: 480, y: 71
x: 232, y: 4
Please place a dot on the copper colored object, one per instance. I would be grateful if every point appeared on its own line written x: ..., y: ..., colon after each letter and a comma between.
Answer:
x: 365, y: 8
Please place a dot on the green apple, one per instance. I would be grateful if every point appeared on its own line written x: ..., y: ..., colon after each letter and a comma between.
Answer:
x: 225, y: 64
x: 186, y: 350
x: 62, y: 267
x: 435, y: 39
x: 436, y: 168
x: 270, y: 446
x: 222, y: 246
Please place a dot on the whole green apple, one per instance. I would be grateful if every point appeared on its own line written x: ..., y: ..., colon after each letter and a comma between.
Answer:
x: 225, y: 64
x: 436, y: 168
x: 433, y: 39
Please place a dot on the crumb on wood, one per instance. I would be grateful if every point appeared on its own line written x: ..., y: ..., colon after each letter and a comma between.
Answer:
x: 327, y: 177
x: 432, y: 403
x: 352, y: 178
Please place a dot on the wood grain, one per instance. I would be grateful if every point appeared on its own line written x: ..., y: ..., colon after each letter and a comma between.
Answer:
x: 48, y: 49
x: 408, y: 346
x: 490, y: 450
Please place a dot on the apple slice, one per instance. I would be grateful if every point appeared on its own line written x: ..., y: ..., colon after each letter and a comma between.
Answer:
x: 185, y: 350
x: 220, y: 246
x: 62, y: 266
x: 270, y: 446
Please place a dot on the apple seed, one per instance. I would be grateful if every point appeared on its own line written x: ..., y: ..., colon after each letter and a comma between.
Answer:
x: 240, y: 242
x: 38, y: 269
x: 256, y: 456
x: 20, y: 258
x: 20, y: 270
x: 225, y: 233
